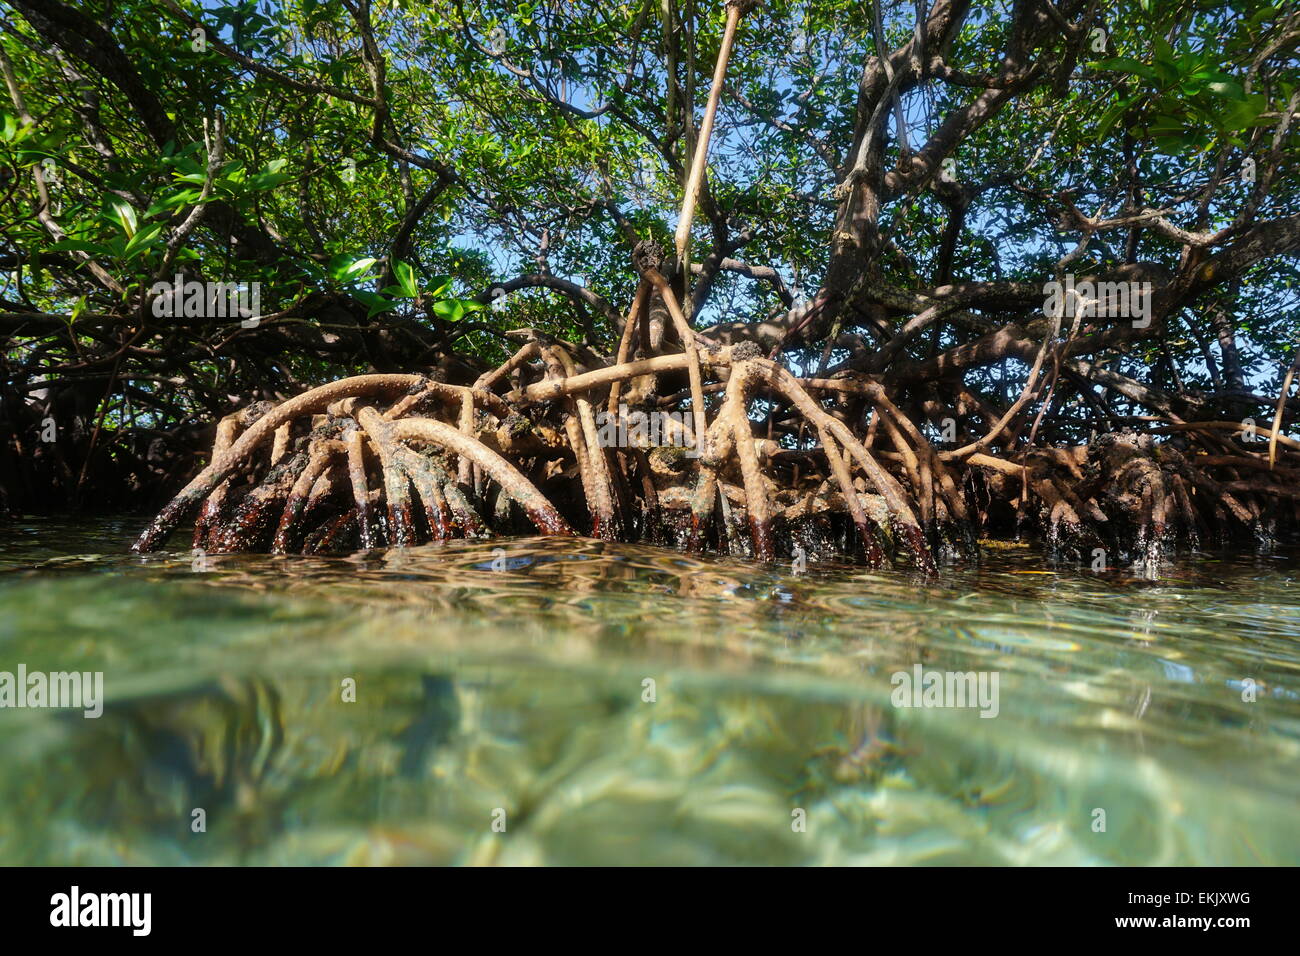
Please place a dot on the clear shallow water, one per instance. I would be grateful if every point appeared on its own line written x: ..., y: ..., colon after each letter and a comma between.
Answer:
x: 520, y: 690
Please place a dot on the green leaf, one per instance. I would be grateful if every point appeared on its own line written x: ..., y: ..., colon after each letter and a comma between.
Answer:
x: 1164, y: 53
x: 189, y: 171
x: 271, y: 176
x: 358, y: 269
x: 142, y: 240
x: 80, y: 245
x: 232, y: 174
x: 405, y: 276
x: 1263, y: 14
x: 343, y: 269
x: 183, y: 198
x: 1228, y: 89
x: 1124, y: 64
x: 453, y: 310
x: 376, y: 302
x: 1166, y: 63
x: 1244, y: 115
x: 1109, y: 118
x: 120, y: 211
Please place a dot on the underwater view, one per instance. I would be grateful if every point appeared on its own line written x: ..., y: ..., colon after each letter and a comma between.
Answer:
x: 560, y: 701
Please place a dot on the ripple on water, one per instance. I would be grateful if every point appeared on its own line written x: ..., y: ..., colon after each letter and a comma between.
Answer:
x: 642, y: 705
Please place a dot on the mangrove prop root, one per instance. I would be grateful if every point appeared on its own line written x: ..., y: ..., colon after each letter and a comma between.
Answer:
x: 226, y: 461
x: 397, y: 460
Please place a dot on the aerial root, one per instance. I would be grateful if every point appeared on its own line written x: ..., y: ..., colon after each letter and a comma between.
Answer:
x: 398, y: 460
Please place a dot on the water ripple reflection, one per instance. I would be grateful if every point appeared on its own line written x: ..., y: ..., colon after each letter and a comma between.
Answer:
x: 633, y: 705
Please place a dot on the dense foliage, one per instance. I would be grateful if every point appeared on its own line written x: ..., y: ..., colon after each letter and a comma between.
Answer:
x: 404, y: 182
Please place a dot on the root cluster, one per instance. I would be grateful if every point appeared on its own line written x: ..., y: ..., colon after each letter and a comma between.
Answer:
x: 772, y: 465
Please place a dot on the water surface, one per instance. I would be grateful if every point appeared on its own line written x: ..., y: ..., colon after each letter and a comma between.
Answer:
x: 625, y: 704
